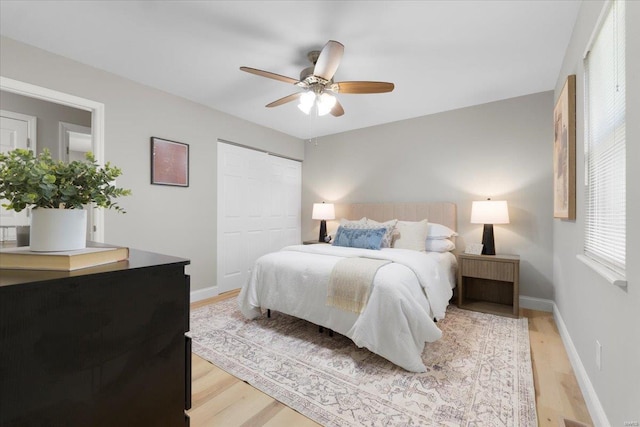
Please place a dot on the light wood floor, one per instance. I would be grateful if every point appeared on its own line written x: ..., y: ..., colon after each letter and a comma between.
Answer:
x: 220, y: 399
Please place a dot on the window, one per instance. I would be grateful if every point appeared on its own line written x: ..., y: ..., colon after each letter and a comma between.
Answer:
x: 605, y: 162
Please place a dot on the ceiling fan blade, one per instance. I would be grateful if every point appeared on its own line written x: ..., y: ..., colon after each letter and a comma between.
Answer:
x: 337, y: 109
x: 286, y: 99
x: 364, y: 87
x: 269, y: 75
x: 329, y: 59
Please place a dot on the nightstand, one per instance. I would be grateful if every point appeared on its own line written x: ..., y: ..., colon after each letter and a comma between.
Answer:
x: 313, y: 242
x: 489, y: 283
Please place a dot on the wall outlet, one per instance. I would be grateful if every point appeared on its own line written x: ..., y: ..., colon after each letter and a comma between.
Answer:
x: 599, y: 355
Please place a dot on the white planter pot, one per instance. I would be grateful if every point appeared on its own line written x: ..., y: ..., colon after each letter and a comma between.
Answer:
x: 55, y: 230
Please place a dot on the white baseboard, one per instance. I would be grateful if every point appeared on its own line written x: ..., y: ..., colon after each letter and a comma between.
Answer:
x: 533, y: 303
x: 598, y: 416
x: 200, y: 294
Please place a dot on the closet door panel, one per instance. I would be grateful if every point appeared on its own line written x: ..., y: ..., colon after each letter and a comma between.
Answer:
x: 259, y: 203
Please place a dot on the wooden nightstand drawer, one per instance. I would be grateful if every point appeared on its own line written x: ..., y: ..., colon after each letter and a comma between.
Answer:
x: 485, y: 269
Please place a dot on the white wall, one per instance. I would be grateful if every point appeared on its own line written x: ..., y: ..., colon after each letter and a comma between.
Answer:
x: 500, y: 150
x: 49, y: 115
x: 591, y: 308
x: 172, y: 220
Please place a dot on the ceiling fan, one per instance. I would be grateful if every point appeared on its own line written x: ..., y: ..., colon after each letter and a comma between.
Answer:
x: 317, y: 80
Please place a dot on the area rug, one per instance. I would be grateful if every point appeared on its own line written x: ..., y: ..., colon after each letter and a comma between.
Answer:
x: 478, y: 373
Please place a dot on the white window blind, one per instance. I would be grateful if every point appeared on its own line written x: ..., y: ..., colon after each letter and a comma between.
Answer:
x: 605, y: 162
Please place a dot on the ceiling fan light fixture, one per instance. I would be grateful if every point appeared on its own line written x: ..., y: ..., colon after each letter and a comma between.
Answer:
x: 317, y: 79
x: 307, y: 100
x: 325, y: 103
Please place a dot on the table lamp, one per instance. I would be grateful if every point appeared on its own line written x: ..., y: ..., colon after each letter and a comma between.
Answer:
x: 489, y: 212
x: 323, y: 211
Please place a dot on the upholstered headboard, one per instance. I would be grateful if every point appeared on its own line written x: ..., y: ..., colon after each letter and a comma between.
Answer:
x: 438, y: 212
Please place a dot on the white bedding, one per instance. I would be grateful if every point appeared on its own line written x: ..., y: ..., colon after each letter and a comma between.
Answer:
x: 406, y: 296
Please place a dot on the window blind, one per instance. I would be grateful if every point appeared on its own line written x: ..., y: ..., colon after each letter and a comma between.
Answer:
x: 605, y: 152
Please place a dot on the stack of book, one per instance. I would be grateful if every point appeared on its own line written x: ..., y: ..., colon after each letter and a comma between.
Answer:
x: 24, y: 259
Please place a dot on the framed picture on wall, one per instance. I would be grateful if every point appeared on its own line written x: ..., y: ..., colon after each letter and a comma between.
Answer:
x: 169, y: 162
x: 564, y: 152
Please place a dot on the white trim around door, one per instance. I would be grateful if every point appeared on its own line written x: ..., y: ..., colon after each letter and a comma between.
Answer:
x: 97, y: 126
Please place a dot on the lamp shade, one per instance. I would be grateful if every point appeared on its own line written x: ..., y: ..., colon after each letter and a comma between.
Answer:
x: 325, y: 103
x: 307, y: 99
x: 323, y: 211
x: 490, y: 212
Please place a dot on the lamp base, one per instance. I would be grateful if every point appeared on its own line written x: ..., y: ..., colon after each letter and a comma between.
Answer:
x: 323, y: 231
x: 488, y: 244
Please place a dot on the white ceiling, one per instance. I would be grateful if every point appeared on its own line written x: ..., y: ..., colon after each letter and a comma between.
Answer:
x: 441, y: 55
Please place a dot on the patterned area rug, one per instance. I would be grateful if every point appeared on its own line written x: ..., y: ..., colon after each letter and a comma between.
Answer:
x: 478, y: 374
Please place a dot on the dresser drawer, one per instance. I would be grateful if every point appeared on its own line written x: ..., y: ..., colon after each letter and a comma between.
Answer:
x: 484, y: 269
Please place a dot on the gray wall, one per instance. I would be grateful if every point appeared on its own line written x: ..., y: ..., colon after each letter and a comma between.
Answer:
x: 49, y: 115
x: 592, y: 308
x: 172, y: 220
x: 500, y: 150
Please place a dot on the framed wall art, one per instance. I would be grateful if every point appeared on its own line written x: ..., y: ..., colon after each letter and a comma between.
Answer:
x: 564, y: 152
x: 169, y: 162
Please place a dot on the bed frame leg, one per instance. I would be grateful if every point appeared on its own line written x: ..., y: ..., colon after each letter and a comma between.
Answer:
x: 268, y: 312
x: 330, y: 332
x: 320, y: 329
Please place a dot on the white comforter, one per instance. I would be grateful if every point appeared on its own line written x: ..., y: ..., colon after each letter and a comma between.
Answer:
x: 406, y: 296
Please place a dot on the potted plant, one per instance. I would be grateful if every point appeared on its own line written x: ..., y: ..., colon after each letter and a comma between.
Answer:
x: 57, y: 192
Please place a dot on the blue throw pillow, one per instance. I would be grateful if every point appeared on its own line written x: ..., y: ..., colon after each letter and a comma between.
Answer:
x: 365, y: 238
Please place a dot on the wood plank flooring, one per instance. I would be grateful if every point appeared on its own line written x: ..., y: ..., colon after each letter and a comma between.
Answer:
x: 220, y: 399
x: 558, y: 394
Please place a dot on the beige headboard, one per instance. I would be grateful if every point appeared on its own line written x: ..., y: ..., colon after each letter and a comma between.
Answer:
x: 439, y: 212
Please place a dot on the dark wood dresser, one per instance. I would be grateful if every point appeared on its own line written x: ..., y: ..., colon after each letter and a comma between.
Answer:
x: 102, y: 346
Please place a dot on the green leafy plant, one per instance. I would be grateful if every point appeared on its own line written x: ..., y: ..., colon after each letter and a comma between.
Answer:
x: 42, y: 182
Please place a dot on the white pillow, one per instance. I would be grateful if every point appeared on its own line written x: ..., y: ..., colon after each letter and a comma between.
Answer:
x: 389, y: 234
x: 347, y: 223
x: 440, y: 245
x: 412, y: 235
x: 439, y: 231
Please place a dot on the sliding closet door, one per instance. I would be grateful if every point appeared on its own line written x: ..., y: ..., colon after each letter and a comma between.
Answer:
x: 284, y: 204
x: 259, y: 200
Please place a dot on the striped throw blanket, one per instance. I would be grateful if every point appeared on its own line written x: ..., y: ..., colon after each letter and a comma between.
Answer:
x: 350, y: 282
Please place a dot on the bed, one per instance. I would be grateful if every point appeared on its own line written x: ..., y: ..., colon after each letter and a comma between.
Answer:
x: 407, y: 297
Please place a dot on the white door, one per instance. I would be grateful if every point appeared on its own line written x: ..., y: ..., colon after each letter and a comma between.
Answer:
x: 258, y: 210
x: 285, y: 201
x: 16, y: 131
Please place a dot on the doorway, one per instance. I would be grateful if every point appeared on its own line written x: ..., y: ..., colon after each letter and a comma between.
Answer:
x: 97, y: 129
x: 75, y: 140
